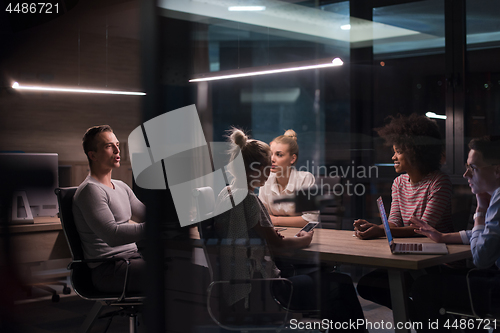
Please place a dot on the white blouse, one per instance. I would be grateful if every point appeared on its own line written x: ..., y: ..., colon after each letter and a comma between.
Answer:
x: 271, y: 191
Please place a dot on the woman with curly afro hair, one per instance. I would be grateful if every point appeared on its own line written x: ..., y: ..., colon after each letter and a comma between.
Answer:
x: 421, y: 190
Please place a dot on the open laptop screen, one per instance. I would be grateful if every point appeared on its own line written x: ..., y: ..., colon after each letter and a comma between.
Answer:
x: 383, y: 215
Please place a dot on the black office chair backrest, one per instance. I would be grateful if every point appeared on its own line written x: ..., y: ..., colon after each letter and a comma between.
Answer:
x: 81, y: 278
x: 332, y: 213
x: 65, y: 199
x: 207, y: 229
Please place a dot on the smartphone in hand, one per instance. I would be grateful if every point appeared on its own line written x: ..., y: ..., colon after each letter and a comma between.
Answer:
x: 308, y: 227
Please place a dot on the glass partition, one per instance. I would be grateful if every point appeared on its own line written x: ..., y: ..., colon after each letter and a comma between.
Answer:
x: 399, y: 57
x: 482, y: 112
x: 404, y: 71
x: 409, y: 71
x: 314, y: 103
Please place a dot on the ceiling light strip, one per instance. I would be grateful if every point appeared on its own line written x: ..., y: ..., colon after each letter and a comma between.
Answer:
x: 77, y: 90
x: 434, y: 115
x: 246, y: 8
x: 336, y: 62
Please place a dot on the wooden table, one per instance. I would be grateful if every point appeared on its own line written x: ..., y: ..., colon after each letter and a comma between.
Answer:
x: 340, y: 246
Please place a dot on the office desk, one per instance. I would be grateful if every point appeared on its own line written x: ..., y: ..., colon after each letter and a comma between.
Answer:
x: 339, y: 246
x: 41, y: 241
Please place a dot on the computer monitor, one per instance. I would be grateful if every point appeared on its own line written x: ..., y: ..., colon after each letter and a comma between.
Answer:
x: 30, y: 180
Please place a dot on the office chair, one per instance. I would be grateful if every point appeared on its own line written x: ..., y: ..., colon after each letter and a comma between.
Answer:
x: 485, y: 304
x: 128, y: 304
x: 269, y: 313
x: 332, y: 214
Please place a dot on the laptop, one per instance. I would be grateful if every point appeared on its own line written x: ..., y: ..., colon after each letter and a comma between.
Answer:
x: 408, y: 248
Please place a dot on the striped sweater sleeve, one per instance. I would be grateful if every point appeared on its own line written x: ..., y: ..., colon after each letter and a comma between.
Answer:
x: 395, y: 216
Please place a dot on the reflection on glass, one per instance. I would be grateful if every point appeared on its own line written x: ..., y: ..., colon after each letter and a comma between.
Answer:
x: 408, y: 72
x: 315, y: 103
x: 425, y: 21
x: 482, y: 111
x: 483, y: 29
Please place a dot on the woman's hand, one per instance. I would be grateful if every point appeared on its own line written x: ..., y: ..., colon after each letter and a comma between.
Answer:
x: 362, y: 225
x: 306, y: 236
x: 372, y: 232
x: 366, y: 230
x: 425, y: 229
x: 279, y: 243
x: 279, y: 234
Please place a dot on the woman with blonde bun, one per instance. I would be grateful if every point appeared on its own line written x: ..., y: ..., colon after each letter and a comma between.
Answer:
x: 249, y: 221
x: 286, y: 180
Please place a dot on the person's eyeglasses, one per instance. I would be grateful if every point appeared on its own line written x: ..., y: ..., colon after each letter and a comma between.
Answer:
x: 473, y: 169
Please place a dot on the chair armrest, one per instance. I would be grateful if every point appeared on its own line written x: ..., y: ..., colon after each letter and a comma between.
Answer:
x: 474, y: 313
x: 489, y: 288
x: 244, y: 281
x: 72, y: 263
x: 112, y: 259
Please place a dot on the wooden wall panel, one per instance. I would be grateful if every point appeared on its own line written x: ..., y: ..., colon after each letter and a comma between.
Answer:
x: 72, y: 50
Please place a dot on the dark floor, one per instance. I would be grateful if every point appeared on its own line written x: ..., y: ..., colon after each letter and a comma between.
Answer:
x: 42, y: 315
x: 38, y: 314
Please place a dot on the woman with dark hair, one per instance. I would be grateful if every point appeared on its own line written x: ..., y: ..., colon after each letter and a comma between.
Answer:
x: 422, y: 191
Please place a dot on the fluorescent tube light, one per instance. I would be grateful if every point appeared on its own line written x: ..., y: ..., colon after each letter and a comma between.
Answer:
x: 335, y: 62
x: 435, y: 116
x: 77, y: 90
x: 384, y: 164
x: 246, y: 8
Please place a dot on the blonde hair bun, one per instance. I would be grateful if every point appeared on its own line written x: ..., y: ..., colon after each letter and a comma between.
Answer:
x: 291, y: 133
x: 238, y: 137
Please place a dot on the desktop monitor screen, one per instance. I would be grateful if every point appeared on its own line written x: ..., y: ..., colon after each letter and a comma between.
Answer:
x: 30, y: 180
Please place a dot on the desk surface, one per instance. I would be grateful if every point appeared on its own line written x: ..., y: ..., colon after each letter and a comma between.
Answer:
x: 339, y: 246
x: 40, y: 241
x: 40, y: 224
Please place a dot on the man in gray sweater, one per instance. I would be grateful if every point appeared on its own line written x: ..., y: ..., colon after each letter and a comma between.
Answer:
x: 102, y: 208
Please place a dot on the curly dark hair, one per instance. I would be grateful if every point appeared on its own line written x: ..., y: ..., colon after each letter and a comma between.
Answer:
x: 418, y: 137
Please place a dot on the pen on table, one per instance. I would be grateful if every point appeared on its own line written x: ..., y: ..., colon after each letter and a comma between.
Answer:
x: 280, y: 229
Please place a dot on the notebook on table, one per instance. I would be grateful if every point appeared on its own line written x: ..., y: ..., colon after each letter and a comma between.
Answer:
x: 409, y: 248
